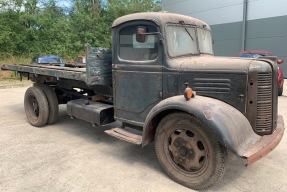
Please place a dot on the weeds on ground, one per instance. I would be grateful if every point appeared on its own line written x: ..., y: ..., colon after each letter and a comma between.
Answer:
x: 15, y: 60
x: 7, y: 77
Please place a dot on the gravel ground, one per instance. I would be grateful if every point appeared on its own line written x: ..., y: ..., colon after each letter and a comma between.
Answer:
x: 74, y: 156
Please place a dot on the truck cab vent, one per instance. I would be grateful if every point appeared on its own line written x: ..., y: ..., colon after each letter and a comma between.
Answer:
x: 210, y: 85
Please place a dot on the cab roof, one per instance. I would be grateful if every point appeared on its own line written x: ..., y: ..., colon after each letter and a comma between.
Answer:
x: 161, y: 18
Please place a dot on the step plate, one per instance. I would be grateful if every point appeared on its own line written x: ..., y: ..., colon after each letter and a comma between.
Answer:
x: 125, y: 135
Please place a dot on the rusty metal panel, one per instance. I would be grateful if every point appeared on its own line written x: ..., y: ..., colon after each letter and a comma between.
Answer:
x: 225, y: 87
x: 99, y: 66
x: 262, y: 97
x: 137, y: 89
x: 266, y: 144
x: 160, y: 18
x: 125, y: 135
x: 220, y: 117
x: 264, y: 124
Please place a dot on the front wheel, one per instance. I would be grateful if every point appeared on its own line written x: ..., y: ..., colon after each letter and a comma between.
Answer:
x: 188, y: 151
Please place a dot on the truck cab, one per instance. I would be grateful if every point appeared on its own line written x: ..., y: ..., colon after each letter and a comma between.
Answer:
x: 156, y: 58
x: 176, y: 52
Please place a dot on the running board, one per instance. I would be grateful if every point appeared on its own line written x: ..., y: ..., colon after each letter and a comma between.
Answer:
x: 125, y: 135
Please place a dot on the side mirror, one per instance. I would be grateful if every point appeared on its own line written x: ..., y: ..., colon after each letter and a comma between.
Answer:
x: 279, y: 61
x: 141, y: 34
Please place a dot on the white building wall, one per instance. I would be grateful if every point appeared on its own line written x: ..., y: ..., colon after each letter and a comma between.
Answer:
x: 211, y: 11
x: 260, y: 9
x: 266, y: 26
x: 226, y: 11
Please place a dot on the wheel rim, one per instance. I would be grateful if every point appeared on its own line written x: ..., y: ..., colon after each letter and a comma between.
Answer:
x: 187, y: 151
x: 34, y: 106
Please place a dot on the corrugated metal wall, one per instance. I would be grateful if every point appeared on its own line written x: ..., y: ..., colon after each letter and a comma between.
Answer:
x: 266, y: 24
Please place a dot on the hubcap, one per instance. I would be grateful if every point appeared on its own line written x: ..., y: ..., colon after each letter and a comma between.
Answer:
x: 187, y: 150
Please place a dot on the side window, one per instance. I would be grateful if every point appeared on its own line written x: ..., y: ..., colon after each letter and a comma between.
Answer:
x: 131, y: 49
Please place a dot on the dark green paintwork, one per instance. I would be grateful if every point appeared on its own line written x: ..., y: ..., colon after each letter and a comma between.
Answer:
x: 99, y: 66
x: 55, y: 71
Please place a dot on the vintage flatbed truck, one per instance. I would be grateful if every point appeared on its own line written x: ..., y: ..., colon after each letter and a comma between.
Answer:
x: 161, y: 79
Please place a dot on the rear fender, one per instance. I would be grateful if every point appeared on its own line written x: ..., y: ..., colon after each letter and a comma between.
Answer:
x: 229, y: 125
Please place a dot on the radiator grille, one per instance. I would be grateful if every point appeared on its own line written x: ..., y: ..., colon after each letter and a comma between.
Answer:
x: 264, y: 104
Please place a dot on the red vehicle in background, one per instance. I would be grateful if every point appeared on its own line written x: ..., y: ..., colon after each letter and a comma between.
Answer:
x: 263, y: 53
x: 79, y: 62
x: 81, y: 59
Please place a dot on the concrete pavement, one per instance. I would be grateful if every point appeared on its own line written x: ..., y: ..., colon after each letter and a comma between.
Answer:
x: 74, y: 156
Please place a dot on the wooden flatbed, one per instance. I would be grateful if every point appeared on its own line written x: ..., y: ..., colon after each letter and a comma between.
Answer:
x: 46, y: 70
x: 97, y: 71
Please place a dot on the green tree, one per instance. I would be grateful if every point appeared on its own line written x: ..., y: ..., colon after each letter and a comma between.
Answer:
x: 85, y: 17
x: 29, y: 27
x: 117, y: 8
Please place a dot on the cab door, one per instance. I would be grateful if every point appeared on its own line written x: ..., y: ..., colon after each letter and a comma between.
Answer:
x: 137, y: 72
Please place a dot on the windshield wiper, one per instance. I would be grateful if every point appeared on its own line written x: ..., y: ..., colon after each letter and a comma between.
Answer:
x: 182, y: 22
x: 189, y: 34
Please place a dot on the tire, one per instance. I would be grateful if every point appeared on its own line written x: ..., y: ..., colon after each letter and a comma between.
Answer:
x: 52, y: 102
x: 189, y: 152
x: 36, y: 106
x: 280, y: 91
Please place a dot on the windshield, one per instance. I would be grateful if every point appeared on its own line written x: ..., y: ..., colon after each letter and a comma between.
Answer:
x: 205, y: 41
x: 183, y: 40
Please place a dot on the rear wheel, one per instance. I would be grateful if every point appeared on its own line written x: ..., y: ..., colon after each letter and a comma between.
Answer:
x: 52, y: 102
x: 188, y: 151
x: 36, y: 106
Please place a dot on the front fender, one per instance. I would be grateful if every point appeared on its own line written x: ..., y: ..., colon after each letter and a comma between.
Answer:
x: 230, y: 126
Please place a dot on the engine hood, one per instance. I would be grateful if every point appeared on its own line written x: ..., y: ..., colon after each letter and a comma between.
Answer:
x: 211, y: 63
x: 223, y: 78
